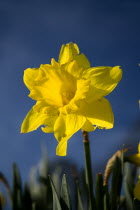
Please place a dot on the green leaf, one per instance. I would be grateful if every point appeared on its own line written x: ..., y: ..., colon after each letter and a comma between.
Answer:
x: 79, y: 199
x: 2, y: 201
x: 136, y: 204
x: 34, y: 206
x: 56, y: 202
x: 99, y: 192
x: 122, y: 202
x: 16, y: 189
x: 128, y: 187
x: 65, y: 196
x: 106, y: 198
x: 6, y: 184
x: 1, y: 204
x: 116, y: 184
x: 27, y: 200
x: 49, y: 197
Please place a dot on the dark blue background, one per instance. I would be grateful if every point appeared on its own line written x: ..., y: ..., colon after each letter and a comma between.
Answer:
x: 31, y: 33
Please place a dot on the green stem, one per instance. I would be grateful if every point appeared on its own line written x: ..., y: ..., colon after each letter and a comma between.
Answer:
x: 88, y: 170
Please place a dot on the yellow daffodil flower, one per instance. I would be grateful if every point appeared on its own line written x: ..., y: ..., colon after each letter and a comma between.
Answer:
x: 135, y: 158
x: 69, y: 96
x: 137, y: 190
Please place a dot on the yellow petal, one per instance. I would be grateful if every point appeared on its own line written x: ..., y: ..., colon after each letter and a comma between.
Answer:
x: 68, y: 52
x: 81, y: 94
x: 50, y: 95
x: 58, y: 88
x: 139, y: 147
x: 60, y: 127
x: 54, y: 63
x: 74, y: 69
x: 50, y: 124
x: 33, y: 120
x: 137, y: 190
x: 40, y: 105
x: 103, y: 80
x: 135, y: 159
x: 48, y: 129
x: 29, y: 76
x: 65, y: 126
x: 82, y: 61
x: 99, y: 113
x: 38, y: 93
x: 88, y: 126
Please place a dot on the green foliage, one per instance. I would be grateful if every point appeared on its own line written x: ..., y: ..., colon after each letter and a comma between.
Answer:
x: 56, y: 201
x: 79, y: 199
x: 99, y: 192
x: 128, y: 187
x: 49, y: 192
x: 16, y: 189
x: 116, y: 185
x: 65, y: 196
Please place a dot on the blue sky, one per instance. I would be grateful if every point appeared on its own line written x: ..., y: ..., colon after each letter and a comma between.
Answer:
x: 32, y: 32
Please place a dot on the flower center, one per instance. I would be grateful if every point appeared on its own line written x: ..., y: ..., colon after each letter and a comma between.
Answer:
x: 58, y: 88
x: 67, y: 96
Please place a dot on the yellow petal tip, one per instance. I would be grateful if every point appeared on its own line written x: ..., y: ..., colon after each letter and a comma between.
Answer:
x: 22, y: 131
x: 60, y: 151
x: 116, y: 73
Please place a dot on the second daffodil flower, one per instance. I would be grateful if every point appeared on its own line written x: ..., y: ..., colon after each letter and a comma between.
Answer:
x: 137, y: 190
x: 135, y: 158
x: 69, y: 96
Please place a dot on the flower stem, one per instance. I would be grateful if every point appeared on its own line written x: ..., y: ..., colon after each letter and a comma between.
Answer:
x: 88, y: 170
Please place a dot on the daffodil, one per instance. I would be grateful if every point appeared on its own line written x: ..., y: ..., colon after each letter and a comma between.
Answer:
x: 135, y: 158
x: 69, y: 96
x: 137, y: 190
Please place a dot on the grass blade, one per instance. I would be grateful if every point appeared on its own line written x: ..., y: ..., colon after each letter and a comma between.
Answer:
x: 106, y: 198
x: 17, y: 189
x: 65, y: 196
x: 56, y: 202
x: 128, y: 187
x: 99, y: 192
x: 79, y: 199
x: 116, y: 184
